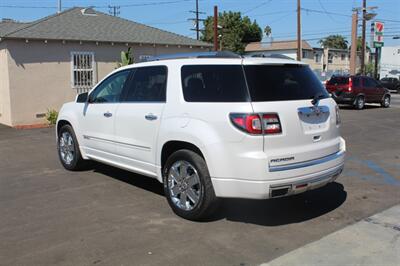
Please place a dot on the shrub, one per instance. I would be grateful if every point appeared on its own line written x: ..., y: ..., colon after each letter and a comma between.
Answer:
x: 51, y: 116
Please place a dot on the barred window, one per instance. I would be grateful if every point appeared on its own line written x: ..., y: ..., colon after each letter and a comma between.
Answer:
x: 83, y: 70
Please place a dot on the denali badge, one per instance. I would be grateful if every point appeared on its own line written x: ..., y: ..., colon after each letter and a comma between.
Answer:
x: 278, y: 160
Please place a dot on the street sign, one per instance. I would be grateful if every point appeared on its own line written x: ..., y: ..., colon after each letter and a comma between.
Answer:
x: 377, y: 34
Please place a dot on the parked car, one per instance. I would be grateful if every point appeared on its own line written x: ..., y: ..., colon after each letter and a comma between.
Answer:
x: 209, y: 126
x: 391, y: 84
x: 357, y: 91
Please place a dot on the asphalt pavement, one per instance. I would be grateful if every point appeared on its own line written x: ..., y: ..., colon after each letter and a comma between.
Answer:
x: 395, y: 101
x: 107, y: 216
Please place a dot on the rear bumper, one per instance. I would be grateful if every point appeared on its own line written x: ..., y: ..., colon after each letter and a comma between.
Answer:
x: 344, y: 98
x: 251, y: 189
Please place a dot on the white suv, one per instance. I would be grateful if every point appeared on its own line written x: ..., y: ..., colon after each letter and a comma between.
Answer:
x: 208, y: 126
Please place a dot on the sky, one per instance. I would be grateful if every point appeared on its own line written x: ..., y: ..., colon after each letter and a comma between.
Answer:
x: 320, y: 18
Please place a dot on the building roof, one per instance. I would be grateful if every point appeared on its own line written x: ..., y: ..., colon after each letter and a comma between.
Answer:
x: 7, y: 26
x: 275, y: 46
x: 80, y: 24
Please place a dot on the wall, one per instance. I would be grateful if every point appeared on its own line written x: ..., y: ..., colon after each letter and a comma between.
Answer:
x: 40, y: 73
x: 390, y: 62
x: 5, y: 112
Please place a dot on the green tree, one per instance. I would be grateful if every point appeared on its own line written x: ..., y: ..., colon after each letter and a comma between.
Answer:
x: 234, y: 31
x: 126, y: 58
x: 359, y: 45
x: 334, y: 41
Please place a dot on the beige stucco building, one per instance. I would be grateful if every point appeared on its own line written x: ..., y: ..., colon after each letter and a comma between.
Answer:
x: 324, y: 61
x: 46, y: 63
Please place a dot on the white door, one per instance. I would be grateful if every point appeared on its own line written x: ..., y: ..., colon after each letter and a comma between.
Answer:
x: 138, y: 119
x: 98, y: 117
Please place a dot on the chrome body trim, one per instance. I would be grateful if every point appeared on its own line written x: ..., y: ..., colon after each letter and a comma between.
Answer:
x: 313, y: 110
x: 117, y: 142
x: 291, y: 166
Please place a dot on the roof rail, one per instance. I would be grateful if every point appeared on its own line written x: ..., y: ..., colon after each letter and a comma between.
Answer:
x: 218, y: 54
x: 280, y: 56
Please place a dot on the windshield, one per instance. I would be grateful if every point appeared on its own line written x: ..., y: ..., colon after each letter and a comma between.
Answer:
x: 283, y: 83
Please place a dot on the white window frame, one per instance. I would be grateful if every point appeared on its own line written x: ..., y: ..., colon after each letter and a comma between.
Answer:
x: 317, y: 58
x: 85, y: 86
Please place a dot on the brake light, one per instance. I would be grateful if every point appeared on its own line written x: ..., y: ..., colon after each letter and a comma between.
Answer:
x: 251, y: 123
x: 271, y: 124
x: 350, y: 85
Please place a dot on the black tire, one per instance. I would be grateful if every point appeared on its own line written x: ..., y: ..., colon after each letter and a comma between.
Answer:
x: 77, y: 162
x: 359, y: 103
x: 386, y: 101
x: 207, y: 201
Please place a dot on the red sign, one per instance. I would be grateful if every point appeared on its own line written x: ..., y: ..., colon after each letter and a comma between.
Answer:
x: 378, y: 27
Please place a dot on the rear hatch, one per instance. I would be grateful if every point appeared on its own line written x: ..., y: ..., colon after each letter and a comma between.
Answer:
x: 338, y: 84
x: 307, y: 114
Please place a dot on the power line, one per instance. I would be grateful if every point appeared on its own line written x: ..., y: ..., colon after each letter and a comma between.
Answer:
x: 258, y: 6
x: 104, y: 7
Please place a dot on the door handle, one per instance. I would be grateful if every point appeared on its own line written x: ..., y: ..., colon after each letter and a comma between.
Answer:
x: 108, y: 114
x: 150, y: 117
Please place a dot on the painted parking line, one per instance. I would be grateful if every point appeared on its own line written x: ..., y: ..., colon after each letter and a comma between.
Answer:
x: 380, y: 175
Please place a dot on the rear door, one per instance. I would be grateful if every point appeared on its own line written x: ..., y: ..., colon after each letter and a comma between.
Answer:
x: 337, y: 84
x: 371, y: 90
x: 309, y: 131
x: 138, y: 118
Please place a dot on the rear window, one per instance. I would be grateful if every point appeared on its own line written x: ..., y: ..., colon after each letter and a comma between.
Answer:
x: 214, y: 83
x: 282, y: 83
x: 338, y: 81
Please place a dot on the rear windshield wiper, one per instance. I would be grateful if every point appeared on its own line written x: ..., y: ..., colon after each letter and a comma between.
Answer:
x: 316, y: 98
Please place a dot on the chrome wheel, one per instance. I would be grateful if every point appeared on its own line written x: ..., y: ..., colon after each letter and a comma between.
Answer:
x: 66, y: 147
x: 360, y: 103
x: 386, y: 101
x: 184, y: 185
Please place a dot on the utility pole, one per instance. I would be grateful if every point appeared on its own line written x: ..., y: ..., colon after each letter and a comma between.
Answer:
x: 197, y: 20
x: 299, y: 48
x: 364, y: 13
x: 114, y: 10
x: 59, y: 7
x: 215, y: 28
x: 353, y: 51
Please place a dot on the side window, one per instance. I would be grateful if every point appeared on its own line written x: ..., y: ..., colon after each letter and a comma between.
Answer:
x: 214, y: 83
x: 148, y: 84
x: 356, y: 82
x: 109, y: 91
x: 369, y: 83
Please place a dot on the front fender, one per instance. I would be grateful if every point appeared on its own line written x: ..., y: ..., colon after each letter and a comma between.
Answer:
x: 70, y: 113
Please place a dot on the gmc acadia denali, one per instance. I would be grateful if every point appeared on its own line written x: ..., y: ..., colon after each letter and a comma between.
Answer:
x: 209, y: 125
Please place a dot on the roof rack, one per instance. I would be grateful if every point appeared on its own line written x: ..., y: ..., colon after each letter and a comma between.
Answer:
x: 280, y: 56
x: 217, y: 54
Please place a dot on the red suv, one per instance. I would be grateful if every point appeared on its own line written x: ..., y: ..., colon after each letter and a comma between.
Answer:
x: 358, y: 90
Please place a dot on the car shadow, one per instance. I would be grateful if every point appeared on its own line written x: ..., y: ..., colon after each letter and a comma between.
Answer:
x: 137, y: 180
x: 272, y: 212
x: 282, y: 211
x: 366, y: 106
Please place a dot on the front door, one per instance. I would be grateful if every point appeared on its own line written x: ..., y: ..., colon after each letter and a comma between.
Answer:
x: 98, y: 118
x: 139, y: 117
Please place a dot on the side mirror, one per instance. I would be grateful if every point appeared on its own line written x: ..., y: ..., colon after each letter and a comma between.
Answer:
x: 82, y: 98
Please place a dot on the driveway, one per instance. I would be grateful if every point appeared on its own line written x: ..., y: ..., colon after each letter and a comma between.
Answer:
x: 107, y: 216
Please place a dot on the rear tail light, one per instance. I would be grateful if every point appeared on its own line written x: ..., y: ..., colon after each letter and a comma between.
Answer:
x: 350, y: 88
x: 257, y: 124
